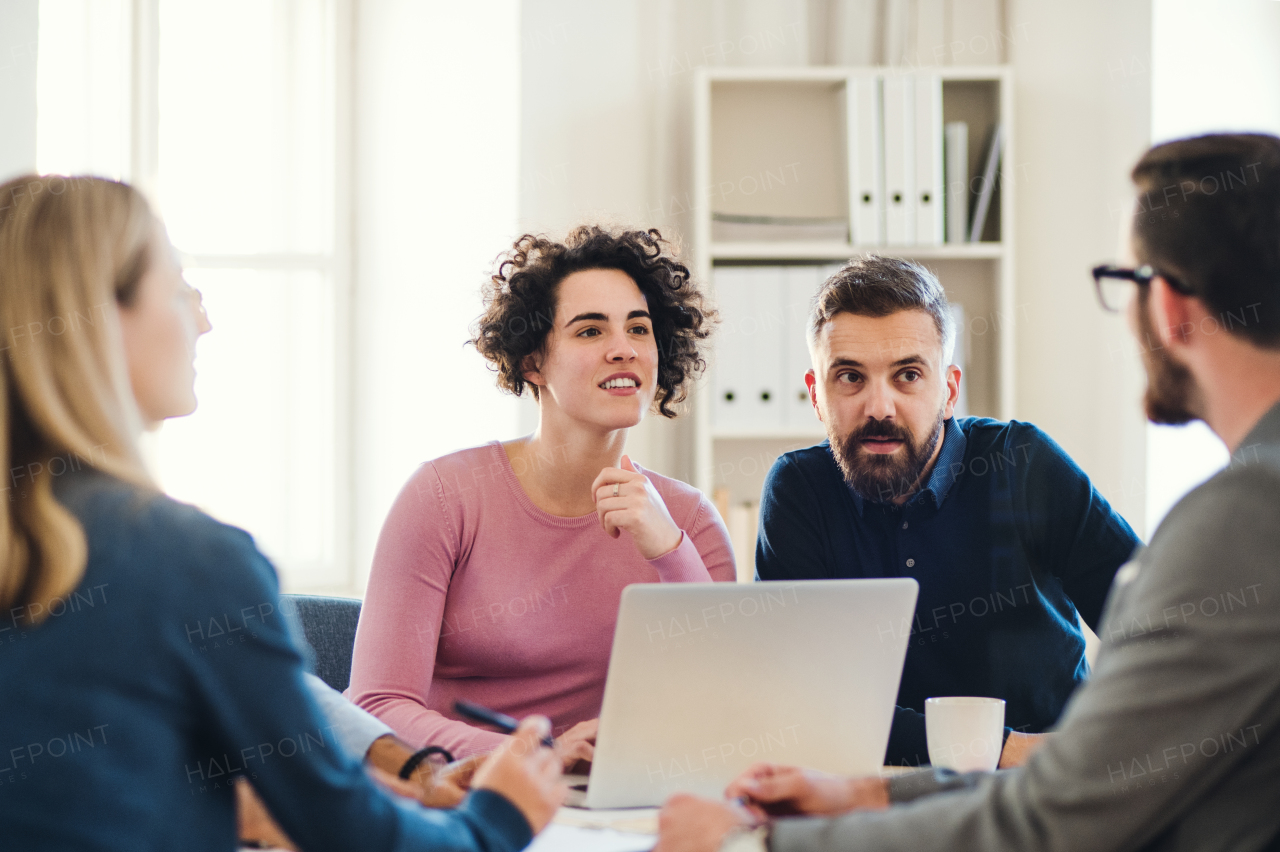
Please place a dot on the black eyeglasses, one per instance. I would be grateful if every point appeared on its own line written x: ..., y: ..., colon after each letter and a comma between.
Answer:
x: 1111, y: 283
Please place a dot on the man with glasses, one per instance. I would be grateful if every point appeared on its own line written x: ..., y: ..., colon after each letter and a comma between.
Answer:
x: 1174, y: 742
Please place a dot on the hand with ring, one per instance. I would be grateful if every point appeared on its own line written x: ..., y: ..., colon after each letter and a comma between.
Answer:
x: 626, y: 500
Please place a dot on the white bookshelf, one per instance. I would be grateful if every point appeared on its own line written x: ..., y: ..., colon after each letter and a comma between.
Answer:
x: 751, y: 120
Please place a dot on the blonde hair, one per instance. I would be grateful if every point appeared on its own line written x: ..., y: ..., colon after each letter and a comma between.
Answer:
x: 71, y: 250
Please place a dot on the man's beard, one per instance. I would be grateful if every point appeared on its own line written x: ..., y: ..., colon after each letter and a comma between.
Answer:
x: 881, y: 477
x: 1171, y: 392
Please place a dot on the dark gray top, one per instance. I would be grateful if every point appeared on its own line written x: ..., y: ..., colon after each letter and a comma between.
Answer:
x: 126, y: 714
x: 1174, y: 742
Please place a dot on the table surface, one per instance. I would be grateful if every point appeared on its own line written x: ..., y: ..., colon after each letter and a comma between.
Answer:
x: 579, y: 830
x: 620, y: 830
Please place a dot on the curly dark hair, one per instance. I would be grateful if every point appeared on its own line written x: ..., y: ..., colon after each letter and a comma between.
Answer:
x: 520, y: 303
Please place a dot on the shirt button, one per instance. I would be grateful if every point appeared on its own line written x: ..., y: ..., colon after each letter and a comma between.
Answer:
x: 911, y: 563
x: 904, y: 525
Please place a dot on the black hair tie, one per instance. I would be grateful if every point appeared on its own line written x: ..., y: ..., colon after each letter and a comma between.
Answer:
x: 420, y: 755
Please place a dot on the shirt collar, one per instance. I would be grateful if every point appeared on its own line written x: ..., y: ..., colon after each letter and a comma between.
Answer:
x: 950, y: 464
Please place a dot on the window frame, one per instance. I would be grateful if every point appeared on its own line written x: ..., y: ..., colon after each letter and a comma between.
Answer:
x: 337, y: 264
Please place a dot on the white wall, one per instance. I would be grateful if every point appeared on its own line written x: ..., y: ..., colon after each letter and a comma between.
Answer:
x: 437, y: 119
x: 606, y: 105
x: 19, y: 20
x: 1216, y: 70
x: 585, y: 130
x: 1083, y: 118
x: 1209, y: 72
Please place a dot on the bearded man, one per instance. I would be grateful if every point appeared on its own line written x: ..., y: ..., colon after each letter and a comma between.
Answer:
x: 1004, y: 533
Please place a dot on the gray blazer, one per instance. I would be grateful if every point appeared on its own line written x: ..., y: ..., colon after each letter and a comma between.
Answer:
x: 1174, y: 742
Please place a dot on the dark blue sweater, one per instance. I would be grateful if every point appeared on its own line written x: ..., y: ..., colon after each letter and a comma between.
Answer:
x: 1008, y: 540
x: 126, y: 713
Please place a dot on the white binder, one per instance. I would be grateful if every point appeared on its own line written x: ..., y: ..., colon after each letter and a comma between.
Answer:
x: 764, y: 342
x: 802, y: 284
x: 957, y: 178
x: 899, y: 159
x: 929, y: 186
x: 866, y: 160
x: 748, y: 368
x: 734, y: 295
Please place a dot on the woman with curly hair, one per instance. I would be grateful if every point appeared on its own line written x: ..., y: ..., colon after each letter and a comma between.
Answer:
x: 498, y: 572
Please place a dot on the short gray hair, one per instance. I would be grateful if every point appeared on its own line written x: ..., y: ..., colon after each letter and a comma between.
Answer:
x: 874, y: 286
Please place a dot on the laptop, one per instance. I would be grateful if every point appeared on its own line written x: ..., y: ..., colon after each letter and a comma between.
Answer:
x: 706, y: 679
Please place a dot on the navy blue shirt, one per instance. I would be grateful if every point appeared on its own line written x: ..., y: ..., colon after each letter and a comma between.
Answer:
x: 126, y: 713
x: 1008, y: 541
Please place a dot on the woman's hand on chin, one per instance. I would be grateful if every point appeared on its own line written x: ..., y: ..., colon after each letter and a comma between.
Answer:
x: 636, y: 508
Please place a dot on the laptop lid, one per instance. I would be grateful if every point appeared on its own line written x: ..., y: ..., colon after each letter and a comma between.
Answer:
x: 706, y: 679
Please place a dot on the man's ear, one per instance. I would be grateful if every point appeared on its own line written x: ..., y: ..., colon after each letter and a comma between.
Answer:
x: 811, y: 382
x: 1170, y: 314
x: 953, y: 374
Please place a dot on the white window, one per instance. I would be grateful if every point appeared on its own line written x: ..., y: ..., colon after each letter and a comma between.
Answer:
x: 83, y: 87
x: 228, y: 113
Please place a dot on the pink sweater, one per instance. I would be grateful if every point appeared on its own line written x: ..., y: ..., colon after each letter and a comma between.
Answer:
x: 476, y: 593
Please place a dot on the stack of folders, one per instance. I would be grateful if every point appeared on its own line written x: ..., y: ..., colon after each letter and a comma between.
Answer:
x: 730, y: 227
x: 913, y: 179
x: 909, y: 174
x: 762, y: 353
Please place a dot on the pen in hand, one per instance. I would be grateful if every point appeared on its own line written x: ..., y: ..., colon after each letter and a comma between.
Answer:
x: 484, y: 715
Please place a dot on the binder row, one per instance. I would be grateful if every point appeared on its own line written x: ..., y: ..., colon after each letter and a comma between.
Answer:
x: 762, y: 352
x: 896, y: 160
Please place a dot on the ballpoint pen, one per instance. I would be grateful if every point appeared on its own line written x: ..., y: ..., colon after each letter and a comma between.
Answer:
x: 501, y: 721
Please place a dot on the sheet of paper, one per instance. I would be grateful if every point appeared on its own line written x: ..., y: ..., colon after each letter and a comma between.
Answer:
x: 632, y: 820
x: 572, y: 838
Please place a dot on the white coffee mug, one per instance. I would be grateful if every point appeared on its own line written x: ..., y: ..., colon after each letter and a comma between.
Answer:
x: 965, y: 733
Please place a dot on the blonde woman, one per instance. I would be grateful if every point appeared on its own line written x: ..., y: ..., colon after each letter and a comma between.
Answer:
x: 117, y: 729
